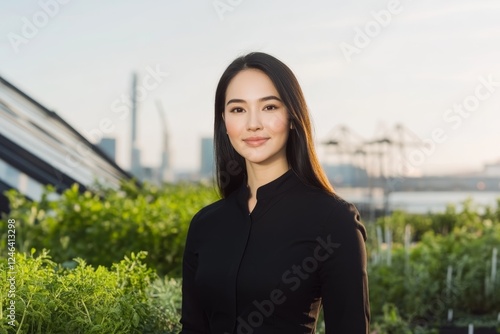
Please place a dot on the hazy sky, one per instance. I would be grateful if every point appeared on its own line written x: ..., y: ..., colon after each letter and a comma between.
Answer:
x: 432, y: 65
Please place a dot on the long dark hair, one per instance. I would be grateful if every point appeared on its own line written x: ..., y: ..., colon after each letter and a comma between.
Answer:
x: 300, y: 152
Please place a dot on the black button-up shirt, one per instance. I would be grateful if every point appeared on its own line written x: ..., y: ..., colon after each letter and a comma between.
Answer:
x: 270, y: 271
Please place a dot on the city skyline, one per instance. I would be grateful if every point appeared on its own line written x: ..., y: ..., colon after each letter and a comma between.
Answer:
x: 431, y: 66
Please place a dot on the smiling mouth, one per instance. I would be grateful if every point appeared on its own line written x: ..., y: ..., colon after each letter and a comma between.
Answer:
x: 255, y: 142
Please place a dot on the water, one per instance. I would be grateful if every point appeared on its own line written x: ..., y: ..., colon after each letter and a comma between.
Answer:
x: 421, y: 201
x: 425, y: 201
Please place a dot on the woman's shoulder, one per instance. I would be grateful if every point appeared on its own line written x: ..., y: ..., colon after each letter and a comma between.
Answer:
x: 196, y: 226
x: 339, y: 214
x: 322, y: 199
x: 344, y: 217
x: 209, y: 210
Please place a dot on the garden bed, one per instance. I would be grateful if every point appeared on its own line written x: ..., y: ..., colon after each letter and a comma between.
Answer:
x: 465, y: 330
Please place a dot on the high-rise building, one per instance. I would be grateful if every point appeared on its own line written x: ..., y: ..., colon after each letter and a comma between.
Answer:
x: 207, y: 158
x: 108, y: 146
x: 165, y: 173
x: 135, y: 153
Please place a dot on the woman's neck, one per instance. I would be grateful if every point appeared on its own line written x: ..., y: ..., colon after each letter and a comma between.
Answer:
x: 258, y: 175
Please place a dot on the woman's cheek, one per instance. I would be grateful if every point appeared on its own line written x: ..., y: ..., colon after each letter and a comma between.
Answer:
x: 277, y: 123
x: 232, y: 128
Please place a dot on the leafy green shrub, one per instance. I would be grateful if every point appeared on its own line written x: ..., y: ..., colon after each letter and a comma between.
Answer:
x: 391, y: 322
x: 442, y: 223
x: 104, y: 225
x: 51, y: 299
x: 415, y: 280
x: 166, y: 297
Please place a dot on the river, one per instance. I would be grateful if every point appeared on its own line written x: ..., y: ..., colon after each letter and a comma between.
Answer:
x: 422, y: 201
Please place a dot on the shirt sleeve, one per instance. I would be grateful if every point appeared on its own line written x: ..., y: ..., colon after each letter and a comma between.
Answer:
x: 343, y: 275
x: 193, y: 317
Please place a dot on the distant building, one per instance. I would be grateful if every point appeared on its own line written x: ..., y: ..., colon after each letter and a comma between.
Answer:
x: 187, y: 176
x: 492, y: 169
x: 37, y: 148
x: 135, y: 152
x: 207, y: 158
x: 108, y: 146
x: 149, y: 174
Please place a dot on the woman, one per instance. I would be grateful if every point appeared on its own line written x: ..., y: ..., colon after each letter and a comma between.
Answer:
x: 280, y: 244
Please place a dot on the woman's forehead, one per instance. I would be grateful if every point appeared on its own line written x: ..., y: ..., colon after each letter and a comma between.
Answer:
x: 250, y: 84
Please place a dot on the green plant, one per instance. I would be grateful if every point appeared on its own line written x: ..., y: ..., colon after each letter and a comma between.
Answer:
x: 391, y: 322
x: 457, y: 243
x: 51, y: 299
x: 104, y: 225
x: 165, y: 295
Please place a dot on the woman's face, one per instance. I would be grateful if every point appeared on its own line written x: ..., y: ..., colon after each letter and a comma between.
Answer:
x: 256, y: 119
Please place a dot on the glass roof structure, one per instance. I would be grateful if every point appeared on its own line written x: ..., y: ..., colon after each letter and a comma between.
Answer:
x: 37, y: 147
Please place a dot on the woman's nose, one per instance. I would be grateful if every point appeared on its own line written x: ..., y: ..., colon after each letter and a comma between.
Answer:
x: 253, y: 120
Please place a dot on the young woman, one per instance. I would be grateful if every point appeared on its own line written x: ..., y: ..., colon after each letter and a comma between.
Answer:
x: 280, y: 244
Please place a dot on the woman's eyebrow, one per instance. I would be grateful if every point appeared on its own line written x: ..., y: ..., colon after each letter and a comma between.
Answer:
x: 271, y: 97
x: 266, y: 98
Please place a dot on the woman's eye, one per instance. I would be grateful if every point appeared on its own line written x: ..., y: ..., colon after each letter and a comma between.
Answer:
x: 271, y: 107
x: 237, y: 110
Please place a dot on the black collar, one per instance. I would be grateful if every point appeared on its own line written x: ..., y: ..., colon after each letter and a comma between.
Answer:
x: 269, y: 190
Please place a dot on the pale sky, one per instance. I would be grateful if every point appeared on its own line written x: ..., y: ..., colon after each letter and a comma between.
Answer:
x: 414, y: 64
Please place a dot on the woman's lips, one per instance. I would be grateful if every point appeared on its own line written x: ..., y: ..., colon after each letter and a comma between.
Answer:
x: 254, y: 142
